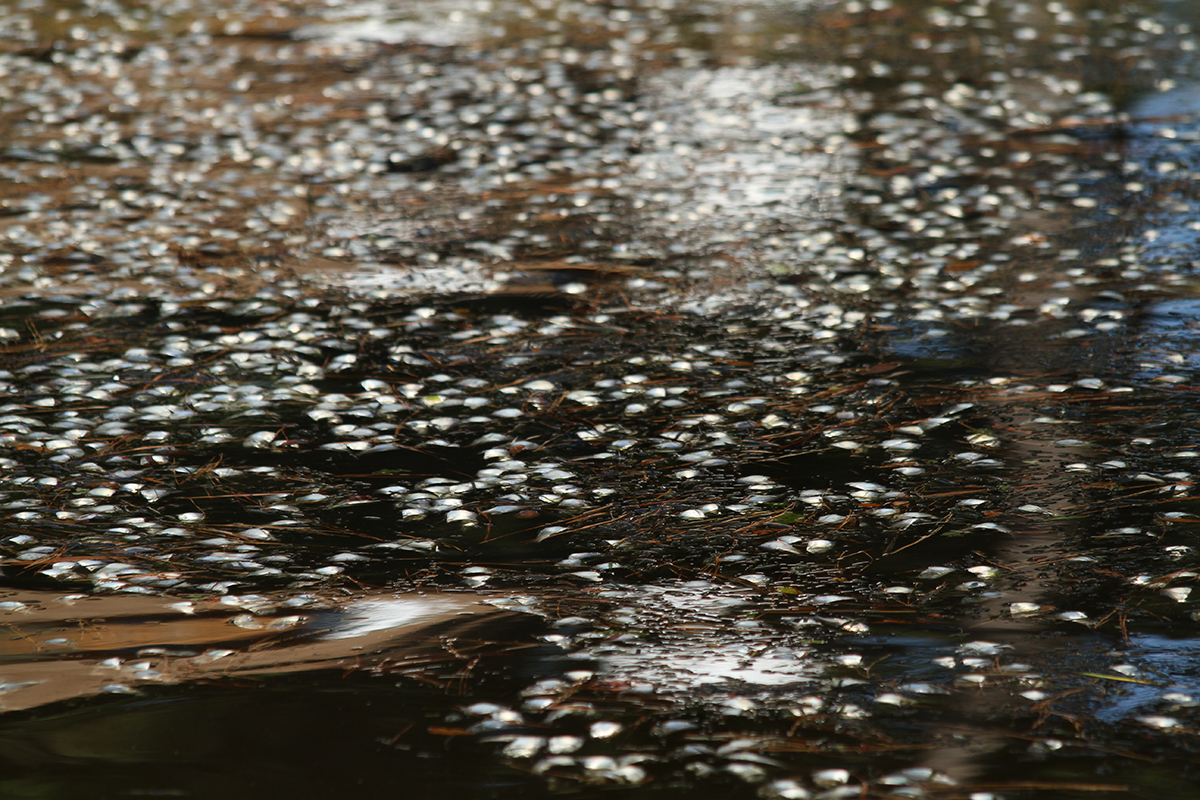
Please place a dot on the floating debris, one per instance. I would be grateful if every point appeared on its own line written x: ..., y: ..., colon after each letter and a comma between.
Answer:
x: 758, y: 349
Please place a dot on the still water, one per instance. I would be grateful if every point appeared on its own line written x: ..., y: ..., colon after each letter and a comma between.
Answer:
x: 502, y: 399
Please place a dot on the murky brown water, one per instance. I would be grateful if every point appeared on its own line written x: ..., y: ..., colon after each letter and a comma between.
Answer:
x: 783, y: 400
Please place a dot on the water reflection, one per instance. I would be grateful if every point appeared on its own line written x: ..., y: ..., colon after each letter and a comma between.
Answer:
x: 1162, y: 679
x: 1173, y: 325
x: 200, y: 701
x: 76, y: 646
x: 797, y: 384
x: 455, y: 22
x: 696, y: 649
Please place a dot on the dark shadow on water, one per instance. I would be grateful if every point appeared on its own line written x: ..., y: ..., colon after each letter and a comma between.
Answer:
x: 823, y: 468
x: 318, y: 737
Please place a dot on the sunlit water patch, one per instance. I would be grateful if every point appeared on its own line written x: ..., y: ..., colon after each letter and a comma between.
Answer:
x: 452, y: 22
x: 730, y: 154
x: 465, y: 276
x: 698, y: 635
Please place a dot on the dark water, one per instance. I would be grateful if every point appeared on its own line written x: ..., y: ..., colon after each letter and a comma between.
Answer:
x: 549, y: 399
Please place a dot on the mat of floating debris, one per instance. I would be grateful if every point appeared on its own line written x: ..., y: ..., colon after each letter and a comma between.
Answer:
x: 59, y: 647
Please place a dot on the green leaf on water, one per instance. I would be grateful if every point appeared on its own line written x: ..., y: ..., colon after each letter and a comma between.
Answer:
x: 1121, y: 678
